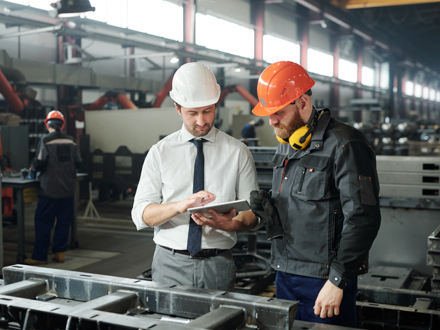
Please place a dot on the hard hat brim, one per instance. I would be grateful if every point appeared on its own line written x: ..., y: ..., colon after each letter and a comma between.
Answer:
x: 263, y: 111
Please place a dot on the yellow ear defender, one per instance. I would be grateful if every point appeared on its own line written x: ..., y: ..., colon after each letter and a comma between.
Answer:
x: 300, y: 139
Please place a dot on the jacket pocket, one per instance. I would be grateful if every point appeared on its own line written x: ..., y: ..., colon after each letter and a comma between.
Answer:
x: 367, y: 192
x: 278, y: 172
x: 310, y: 177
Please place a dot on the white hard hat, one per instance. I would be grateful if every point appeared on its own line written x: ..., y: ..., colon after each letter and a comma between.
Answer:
x: 194, y: 85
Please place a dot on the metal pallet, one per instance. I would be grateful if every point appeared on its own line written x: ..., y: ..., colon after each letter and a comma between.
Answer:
x: 43, y: 298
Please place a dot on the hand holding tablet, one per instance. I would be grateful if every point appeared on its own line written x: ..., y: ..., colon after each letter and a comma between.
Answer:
x: 222, y: 208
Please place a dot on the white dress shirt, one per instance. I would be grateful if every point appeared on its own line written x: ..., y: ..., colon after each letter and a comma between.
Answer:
x: 167, y: 176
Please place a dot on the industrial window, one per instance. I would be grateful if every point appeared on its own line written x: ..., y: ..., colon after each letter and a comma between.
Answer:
x: 20, y: 2
x: 277, y: 49
x: 117, y: 13
x: 347, y: 70
x: 384, y: 75
x: 100, y: 13
x: 432, y: 94
x: 409, y: 88
x: 40, y: 4
x: 154, y: 21
x: 319, y: 62
x: 127, y: 14
x: 225, y: 36
x: 426, y: 92
x: 418, y: 90
x: 367, y: 76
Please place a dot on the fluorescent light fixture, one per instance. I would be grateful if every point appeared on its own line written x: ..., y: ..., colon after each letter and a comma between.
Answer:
x: 237, y: 69
x: 70, y: 8
x: 174, y: 60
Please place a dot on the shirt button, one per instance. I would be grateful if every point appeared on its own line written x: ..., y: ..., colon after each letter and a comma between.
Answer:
x: 336, y: 278
x: 285, y: 178
x: 278, y: 266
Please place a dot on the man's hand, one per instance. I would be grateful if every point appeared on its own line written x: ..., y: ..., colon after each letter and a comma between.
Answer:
x: 261, y: 205
x: 195, y: 200
x: 328, y: 301
x: 218, y: 221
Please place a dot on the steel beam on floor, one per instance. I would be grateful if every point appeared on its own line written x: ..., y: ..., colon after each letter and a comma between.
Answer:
x: 106, y: 292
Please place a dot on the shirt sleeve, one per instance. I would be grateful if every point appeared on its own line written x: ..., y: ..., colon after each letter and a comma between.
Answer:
x: 357, y: 181
x: 247, y: 179
x: 149, y: 189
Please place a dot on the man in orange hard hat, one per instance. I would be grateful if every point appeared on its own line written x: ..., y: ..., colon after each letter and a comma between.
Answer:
x: 325, y: 193
x: 57, y: 157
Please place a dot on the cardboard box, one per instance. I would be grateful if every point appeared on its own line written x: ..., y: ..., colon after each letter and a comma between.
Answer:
x: 9, y: 119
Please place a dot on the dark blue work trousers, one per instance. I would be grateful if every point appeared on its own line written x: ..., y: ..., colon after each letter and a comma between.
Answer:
x: 47, y: 210
x: 305, y: 290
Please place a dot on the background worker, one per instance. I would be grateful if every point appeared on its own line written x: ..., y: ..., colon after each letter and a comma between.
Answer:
x: 57, y: 158
x: 325, y: 193
x: 248, y: 130
x: 194, y: 251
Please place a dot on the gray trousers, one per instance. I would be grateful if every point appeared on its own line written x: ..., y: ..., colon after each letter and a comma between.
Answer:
x: 214, y: 273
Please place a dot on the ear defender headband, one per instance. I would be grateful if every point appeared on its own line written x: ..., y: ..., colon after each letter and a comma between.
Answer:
x: 300, y: 139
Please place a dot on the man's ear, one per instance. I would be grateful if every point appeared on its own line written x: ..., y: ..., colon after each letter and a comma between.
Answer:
x: 303, y: 101
x: 177, y: 108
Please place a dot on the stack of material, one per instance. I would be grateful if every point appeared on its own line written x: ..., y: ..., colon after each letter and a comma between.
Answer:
x: 433, y: 258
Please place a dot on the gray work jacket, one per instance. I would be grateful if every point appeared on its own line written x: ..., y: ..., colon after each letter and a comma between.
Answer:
x: 57, y: 157
x: 327, y: 197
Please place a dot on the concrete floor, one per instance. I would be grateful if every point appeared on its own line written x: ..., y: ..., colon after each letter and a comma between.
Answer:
x: 107, y: 246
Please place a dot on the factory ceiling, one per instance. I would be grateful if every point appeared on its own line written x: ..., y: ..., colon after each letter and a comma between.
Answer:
x: 406, y: 31
x: 412, y: 25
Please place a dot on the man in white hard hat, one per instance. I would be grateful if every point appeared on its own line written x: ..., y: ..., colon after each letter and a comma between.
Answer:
x: 170, y: 185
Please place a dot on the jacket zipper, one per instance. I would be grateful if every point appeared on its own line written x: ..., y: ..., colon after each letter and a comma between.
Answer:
x: 302, y: 180
x: 284, y: 172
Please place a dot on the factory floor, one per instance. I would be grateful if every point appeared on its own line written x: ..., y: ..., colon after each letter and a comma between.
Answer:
x: 109, y: 245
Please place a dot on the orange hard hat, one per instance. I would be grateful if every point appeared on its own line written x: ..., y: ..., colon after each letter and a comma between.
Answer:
x: 281, y: 83
x: 55, y: 114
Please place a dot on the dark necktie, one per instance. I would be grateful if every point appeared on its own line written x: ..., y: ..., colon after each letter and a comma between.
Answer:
x: 195, y: 231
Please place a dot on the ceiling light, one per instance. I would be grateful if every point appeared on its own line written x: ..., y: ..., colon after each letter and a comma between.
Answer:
x: 70, y: 8
x: 174, y: 60
x: 237, y: 69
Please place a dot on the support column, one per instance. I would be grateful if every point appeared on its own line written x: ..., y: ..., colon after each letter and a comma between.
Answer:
x: 189, y: 23
x: 334, y: 87
x: 257, y: 19
x: 68, y: 95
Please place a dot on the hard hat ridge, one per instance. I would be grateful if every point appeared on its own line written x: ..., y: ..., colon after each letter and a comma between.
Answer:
x: 194, y: 85
x: 279, y: 84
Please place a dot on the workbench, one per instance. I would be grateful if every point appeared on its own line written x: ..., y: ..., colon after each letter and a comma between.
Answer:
x: 19, y: 184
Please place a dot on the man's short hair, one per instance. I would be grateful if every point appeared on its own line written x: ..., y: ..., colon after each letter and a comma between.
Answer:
x: 309, y: 92
x: 56, y: 124
x: 178, y: 105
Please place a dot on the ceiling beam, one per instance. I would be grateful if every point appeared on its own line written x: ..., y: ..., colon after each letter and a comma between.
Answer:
x: 356, y: 4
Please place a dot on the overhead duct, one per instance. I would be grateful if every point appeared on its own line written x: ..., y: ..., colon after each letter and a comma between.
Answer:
x: 112, y: 96
x: 6, y: 89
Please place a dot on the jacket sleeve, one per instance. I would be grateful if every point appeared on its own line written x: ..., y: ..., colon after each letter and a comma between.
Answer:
x: 40, y: 161
x: 358, y: 184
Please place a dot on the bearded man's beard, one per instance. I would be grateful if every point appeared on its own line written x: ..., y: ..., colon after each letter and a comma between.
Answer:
x: 284, y: 131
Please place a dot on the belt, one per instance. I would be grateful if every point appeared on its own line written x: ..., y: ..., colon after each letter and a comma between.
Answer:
x: 205, y: 253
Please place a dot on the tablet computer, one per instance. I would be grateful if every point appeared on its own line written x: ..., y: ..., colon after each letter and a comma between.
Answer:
x: 222, y: 208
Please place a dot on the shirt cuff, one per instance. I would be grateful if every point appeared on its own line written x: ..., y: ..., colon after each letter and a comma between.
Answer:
x: 337, y: 279
x: 136, y: 215
x: 258, y: 224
